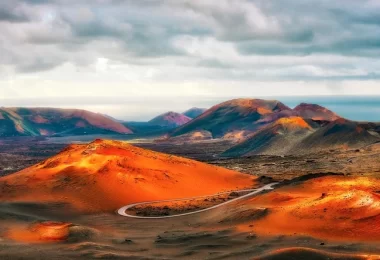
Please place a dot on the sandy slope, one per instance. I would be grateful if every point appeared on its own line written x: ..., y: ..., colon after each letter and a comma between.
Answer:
x: 332, y: 208
x: 308, y: 253
x: 105, y: 175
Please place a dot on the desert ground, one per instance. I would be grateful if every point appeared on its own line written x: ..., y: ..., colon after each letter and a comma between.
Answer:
x: 324, y: 207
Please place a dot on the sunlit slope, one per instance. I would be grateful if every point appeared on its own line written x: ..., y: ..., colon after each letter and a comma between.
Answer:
x: 105, y: 175
x: 295, y: 135
x: 332, y: 208
x: 277, y: 138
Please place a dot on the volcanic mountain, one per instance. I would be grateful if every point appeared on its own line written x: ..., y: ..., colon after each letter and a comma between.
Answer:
x: 295, y: 135
x: 105, y: 175
x: 194, y: 112
x: 275, y: 139
x: 315, y: 112
x: 237, y: 114
x: 52, y: 121
x: 170, y: 119
x: 340, y: 133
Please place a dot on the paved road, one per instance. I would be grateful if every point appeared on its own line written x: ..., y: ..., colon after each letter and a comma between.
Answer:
x: 123, y: 211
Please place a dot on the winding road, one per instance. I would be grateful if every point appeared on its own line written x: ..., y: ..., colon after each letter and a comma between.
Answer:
x: 123, y: 210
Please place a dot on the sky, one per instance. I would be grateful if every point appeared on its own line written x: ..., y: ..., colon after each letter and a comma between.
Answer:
x: 133, y: 59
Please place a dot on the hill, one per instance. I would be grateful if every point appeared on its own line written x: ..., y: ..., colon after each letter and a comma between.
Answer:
x: 315, y: 112
x: 105, y: 175
x: 237, y: 114
x: 170, y: 119
x: 194, y: 112
x: 296, y: 135
x: 317, y: 207
x: 53, y: 121
x: 277, y: 138
x: 340, y: 133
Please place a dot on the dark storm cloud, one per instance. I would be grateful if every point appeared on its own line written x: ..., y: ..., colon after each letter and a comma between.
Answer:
x: 78, y: 31
x: 364, y: 46
x: 10, y: 12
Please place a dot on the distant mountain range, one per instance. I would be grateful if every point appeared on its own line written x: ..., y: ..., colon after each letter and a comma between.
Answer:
x: 255, y: 126
x: 270, y: 127
x: 20, y: 121
x: 164, y: 122
x: 245, y: 116
x: 53, y: 121
x: 235, y: 116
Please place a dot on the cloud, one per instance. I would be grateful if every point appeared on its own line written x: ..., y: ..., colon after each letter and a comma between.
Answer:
x: 150, y: 29
x: 11, y: 12
x: 235, y: 19
x: 79, y: 45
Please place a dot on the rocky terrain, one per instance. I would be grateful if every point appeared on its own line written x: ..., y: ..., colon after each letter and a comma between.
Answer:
x: 64, y: 202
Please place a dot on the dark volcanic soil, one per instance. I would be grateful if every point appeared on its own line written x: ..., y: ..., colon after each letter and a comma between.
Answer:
x: 365, y: 161
x: 22, y: 152
x: 109, y: 236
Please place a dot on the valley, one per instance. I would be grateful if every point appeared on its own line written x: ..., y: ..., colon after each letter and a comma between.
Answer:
x: 290, y: 186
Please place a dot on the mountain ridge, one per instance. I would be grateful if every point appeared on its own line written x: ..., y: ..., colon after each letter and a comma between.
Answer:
x: 45, y: 121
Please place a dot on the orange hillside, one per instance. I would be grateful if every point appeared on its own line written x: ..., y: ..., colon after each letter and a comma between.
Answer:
x: 336, y: 208
x: 105, y: 175
x: 293, y: 122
